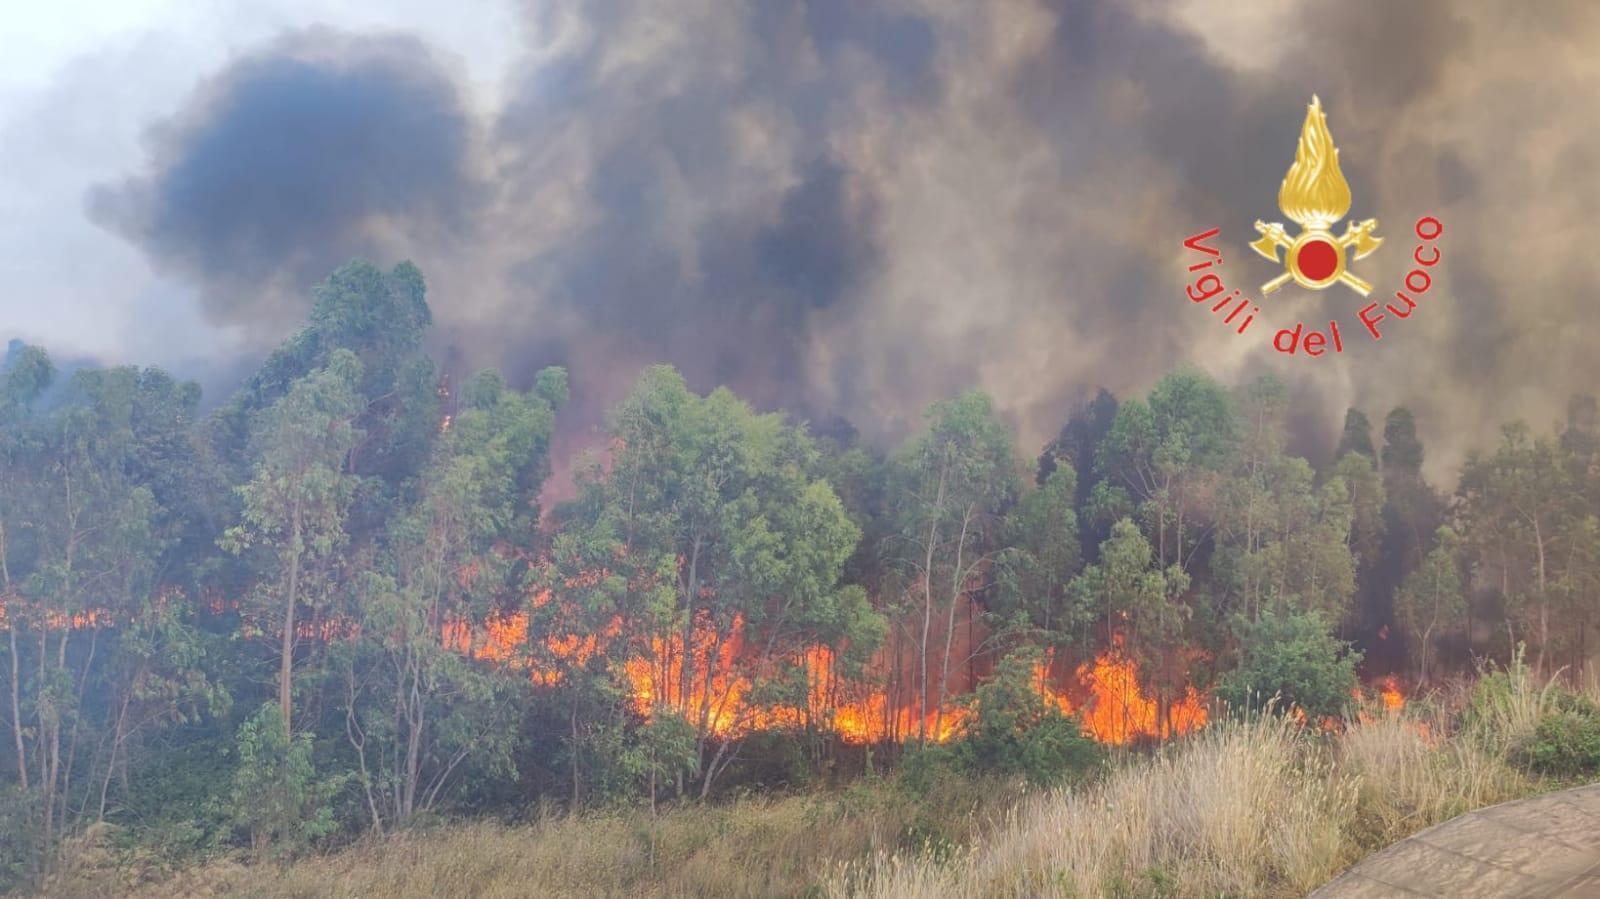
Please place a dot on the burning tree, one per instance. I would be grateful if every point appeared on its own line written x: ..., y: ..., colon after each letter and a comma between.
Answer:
x: 955, y: 482
x: 416, y: 709
x: 719, y: 550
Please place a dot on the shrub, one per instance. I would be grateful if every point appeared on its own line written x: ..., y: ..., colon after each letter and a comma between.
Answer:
x: 1565, y: 744
x: 277, y: 798
x: 20, y: 837
x: 1292, y: 658
x: 1506, y: 705
x: 1015, y: 731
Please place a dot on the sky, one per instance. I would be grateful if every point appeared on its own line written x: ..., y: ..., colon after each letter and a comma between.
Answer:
x: 82, y: 83
x: 838, y: 208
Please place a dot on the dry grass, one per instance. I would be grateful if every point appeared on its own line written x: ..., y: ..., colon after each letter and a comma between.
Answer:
x: 1248, y: 809
x: 752, y: 847
x: 1258, y: 808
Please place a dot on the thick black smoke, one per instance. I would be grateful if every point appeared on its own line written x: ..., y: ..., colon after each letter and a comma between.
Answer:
x: 849, y: 207
x: 295, y: 159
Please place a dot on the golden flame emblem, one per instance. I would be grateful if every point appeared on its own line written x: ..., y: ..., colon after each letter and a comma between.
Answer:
x: 1314, y: 195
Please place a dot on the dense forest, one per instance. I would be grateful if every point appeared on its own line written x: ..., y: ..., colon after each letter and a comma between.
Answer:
x: 349, y: 597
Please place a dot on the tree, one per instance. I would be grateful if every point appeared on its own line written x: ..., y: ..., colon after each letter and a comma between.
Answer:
x: 1078, y: 446
x: 1516, y: 503
x: 954, y: 483
x: 1356, y: 436
x: 727, y: 552
x: 277, y: 797
x: 1042, y: 557
x: 1166, y: 451
x: 1138, y: 605
x: 28, y: 372
x: 1366, y: 498
x: 418, y: 704
x: 1282, y: 541
x: 295, y: 504
x: 96, y: 547
x: 1293, y: 660
x: 1411, y: 513
x: 1432, y: 597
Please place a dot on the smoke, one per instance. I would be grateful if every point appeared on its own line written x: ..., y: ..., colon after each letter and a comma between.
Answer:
x: 859, y: 208
x: 291, y: 161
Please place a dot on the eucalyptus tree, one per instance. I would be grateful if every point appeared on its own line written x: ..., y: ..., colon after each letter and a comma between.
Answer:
x: 1432, y: 597
x: 1517, y: 505
x: 295, y: 504
x: 419, y: 699
x: 1168, y: 452
x: 84, y: 547
x: 1138, y: 602
x: 727, y: 550
x: 1041, y: 558
x: 952, y: 486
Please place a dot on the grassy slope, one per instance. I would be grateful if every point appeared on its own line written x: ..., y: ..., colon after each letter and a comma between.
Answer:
x: 1257, y: 809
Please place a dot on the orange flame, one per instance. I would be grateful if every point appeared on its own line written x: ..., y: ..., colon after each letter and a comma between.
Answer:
x: 1116, y: 710
x: 1107, y: 694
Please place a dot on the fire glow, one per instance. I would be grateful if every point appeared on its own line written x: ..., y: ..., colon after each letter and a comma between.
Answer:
x: 1106, y: 695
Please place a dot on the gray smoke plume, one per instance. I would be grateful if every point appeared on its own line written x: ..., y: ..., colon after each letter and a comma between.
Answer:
x: 846, y: 207
x: 291, y: 161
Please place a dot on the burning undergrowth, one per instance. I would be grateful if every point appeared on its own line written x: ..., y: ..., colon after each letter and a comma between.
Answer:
x: 1105, y: 692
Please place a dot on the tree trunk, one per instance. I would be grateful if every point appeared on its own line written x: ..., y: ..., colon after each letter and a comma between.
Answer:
x: 1427, y: 636
x: 1544, y: 599
x: 950, y: 624
x: 16, y: 708
x: 12, y: 624
x: 286, y: 664
x: 577, y: 795
x: 927, y: 600
x: 690, y: 597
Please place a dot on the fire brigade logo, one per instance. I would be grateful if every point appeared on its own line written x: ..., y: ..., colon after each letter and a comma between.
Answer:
x: 1314, y: 195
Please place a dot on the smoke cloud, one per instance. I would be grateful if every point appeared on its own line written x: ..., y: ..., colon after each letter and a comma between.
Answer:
x: 293, y: 160
x: 858, y: 208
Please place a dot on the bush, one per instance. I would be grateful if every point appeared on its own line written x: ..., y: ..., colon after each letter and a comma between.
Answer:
x: 1013, y: 732
x: 1564, y: 744
x: 278, y: 799
x: 1294, y: 659
x: 19, y: 837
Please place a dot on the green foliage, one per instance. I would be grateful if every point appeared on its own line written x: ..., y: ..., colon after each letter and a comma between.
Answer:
x: 1015, y: 731
x: 295, y: 505
x: 1564, y: 744
x: 710, y: 523
x: 1165, y: 452
x: 1518, y: 504
x: 1356, y: 436
x: 1134, y: 597
x: 377, y: 523
x: 1034, y: 573
x: 278, y: 798
x: 1291, y: 661
x: 1433, y: 596
x: 21, y: 839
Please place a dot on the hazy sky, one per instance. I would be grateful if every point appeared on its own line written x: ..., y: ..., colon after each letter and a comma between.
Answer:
x: 833, y: 206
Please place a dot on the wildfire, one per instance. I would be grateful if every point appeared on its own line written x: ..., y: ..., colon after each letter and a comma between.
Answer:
x: 1389, y: 692
x: 1115, y: 709
x: 55, y: 620
x: 714, y: 689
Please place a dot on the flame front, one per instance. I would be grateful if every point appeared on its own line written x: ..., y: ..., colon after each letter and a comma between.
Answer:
x: 1314, y: 193
x: 1116, y: 709
x: 1106, y: 694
